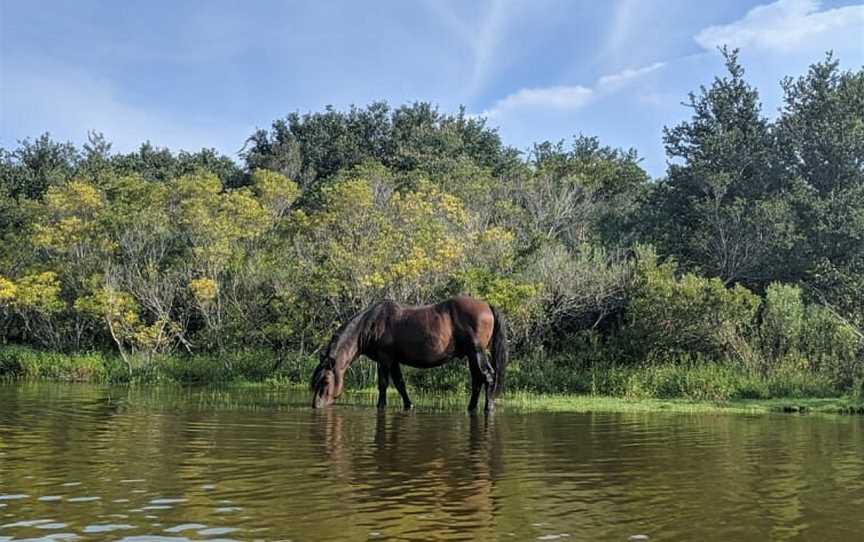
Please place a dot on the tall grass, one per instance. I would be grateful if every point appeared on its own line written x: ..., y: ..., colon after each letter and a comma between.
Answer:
x: 691, y: 379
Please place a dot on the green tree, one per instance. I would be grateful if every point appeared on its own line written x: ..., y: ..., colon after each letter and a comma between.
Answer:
x: 721, y: 210
x: 315, y: 146
x: 29, y: 170
x: 820, y: 142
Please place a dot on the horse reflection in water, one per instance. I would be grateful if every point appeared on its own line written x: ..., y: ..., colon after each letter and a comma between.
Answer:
x: 413, y: 477
x: 392, y: 335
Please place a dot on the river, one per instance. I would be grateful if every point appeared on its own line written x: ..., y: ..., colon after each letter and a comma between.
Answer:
x: 83, y: 462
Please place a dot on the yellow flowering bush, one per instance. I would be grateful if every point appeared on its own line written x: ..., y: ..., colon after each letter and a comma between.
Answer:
x: 204, y: 290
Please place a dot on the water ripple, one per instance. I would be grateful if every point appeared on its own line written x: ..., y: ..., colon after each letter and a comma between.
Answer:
x: 177, y: 465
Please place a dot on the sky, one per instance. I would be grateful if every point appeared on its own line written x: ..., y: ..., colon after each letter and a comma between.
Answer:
x: 189, y: 75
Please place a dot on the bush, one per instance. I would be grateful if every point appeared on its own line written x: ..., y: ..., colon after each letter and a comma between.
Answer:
x: 25, y: 362
x: 691, y: 316
x: 810, y: 338
x: 782, y: 321
x: 832, y: 347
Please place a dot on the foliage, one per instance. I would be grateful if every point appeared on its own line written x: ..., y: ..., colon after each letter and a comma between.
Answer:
x: 315, y: 146
x: 719, y: 209
x: 739, y: 274
x: 670, y: 315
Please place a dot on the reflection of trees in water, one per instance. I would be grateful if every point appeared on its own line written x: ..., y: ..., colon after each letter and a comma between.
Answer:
x: 342, y: 473
x: 693, y: 473
x: 415, y: 476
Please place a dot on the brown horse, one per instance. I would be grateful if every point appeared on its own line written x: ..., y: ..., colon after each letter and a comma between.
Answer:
x: 429, y: 336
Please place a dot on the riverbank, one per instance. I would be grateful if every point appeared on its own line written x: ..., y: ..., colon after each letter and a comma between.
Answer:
x: 589, y: 403
x: 532, y: 385
x: 520, y: 401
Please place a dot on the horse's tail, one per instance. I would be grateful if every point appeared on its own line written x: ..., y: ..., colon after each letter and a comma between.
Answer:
x: 499, y: 351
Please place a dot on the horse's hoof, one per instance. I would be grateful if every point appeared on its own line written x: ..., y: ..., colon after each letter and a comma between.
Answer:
x: 409, y: 406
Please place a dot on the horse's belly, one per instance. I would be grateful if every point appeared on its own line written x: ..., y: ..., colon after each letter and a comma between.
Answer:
x: 421, y: 351
x: 418, y: 338
x: 427, y: 363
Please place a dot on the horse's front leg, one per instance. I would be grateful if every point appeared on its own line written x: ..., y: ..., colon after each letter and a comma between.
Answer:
x: 383, y: 380
x: 399, y: 382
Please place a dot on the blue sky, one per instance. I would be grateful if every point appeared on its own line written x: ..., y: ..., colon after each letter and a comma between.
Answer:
x: 206, y: 74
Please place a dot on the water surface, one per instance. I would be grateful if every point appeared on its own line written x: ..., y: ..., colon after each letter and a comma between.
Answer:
x: 82, y: 462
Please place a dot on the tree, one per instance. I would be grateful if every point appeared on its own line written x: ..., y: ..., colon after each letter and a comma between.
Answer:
x: 722, y: 210
x: 29, y: 170
x: 587, y: 193
x: 820, y: 142
x: 316, y: 146
x: 161, y: 165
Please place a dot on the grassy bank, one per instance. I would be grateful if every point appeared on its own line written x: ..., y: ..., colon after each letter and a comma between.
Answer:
x: 593, y: 403
x: 523, y: 401
x: 534, y: 384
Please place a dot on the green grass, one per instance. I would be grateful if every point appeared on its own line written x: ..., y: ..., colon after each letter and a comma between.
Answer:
x: 549, y: 384
x: 270, y: 394
x: 521, y: 401
x: 593, y: 403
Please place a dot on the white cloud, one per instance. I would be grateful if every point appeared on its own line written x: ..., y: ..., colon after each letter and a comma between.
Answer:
x: 790, y: 25
x: 609, y: 82
x: 561, y: 97
x: 567, y: 98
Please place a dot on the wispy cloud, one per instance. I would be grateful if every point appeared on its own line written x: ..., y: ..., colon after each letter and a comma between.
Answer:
x: 560, y: 97
x: 624, y: 22
x: 788, y: 25
x: 617, y: 80
x: 482, y: 35
x: 567, y: 98
x: 488, y: 37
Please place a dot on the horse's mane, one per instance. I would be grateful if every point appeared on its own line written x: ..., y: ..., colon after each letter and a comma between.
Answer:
x: 364, y: 327
x: 318, y: 375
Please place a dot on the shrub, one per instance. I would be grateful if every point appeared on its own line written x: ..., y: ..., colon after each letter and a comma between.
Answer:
x: 25, y: 362
x: 690, y: 316
x: 782, y: 321
x: 832, y: 347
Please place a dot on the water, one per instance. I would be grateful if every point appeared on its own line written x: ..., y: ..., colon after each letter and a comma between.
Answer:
x: 93, y: 463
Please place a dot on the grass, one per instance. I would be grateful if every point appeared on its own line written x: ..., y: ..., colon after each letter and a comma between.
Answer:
x: 593, y: 403
x: 522, y: 401
x: 553, y: 385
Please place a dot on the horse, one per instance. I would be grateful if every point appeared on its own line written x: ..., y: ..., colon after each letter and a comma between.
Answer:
x: 392, y: 335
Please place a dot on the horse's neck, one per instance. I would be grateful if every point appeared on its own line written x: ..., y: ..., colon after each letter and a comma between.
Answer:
x: 346, y: 354
x: 348, y: 345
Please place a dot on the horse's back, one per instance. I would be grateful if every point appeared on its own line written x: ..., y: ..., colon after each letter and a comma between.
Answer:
x: 433, y: 333
x: 461, y: 309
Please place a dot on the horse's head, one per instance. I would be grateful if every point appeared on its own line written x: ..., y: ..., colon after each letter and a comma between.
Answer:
x: 326, y: 382
x: 340, y: 353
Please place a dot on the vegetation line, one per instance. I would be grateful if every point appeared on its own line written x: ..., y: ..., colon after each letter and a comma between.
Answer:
x: 669, y: 387
x: 738, y: 275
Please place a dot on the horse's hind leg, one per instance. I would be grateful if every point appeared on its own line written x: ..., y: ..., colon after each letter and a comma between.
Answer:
x: 399, y: 382
x: 477, y: 380
x: 383, y: 379
x: 489, y: 383
x: 482, y: 375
